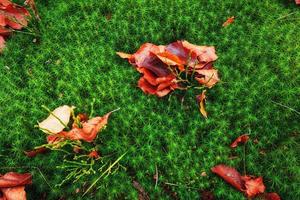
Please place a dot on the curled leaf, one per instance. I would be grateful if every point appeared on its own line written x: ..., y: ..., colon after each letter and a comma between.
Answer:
x: 249, y: 185
x: 229, y: 21
x: 201, y: 101
x: 2, y: 43
x: 12, y: 185
x: 57, y: 120
x: 94, y: 154
x: 241, y: 139
x: 35, y: 152
x: 13, y: 179
x: 161, y: 66
x: 270, y: 196
x: 32, y: 6
x: 230, y: 175
x: 254, y: 186
x: 123, y: 55
x: 207, y: 77
x: 88, y: 131
x: 14, y: 193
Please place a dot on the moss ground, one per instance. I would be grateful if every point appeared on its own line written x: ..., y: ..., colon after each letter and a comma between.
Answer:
x: 74, y: 61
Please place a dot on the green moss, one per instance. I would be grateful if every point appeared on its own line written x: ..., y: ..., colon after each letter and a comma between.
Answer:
x: 74, y: 61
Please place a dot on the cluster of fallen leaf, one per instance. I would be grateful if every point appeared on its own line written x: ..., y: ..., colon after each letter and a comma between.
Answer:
x: 175, y: 66
x: 56, y: 126
x: 14, y: 17
x: 250, y: 185
x: 12, y: 186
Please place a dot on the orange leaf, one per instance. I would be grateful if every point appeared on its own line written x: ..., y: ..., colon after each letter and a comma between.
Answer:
x: 123, y: 55
x: 88, y: 132
x: 94, y: 154
x: 207, y: 77
x: 241, y: 139
x: 230, y: 175
x: 229, y: 21
x: 171, y: 59
x: 2, y: 43
x: 13, y: 179
x: 14, y: 193
x: 201, y: 101
x: 253, y: 186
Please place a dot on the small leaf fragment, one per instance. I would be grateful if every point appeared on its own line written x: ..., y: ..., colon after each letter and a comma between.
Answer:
x: 241, y: 139
x: 229, y: 21
x: 201, y: 101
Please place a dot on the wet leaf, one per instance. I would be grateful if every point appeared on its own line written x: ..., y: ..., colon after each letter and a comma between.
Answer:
x: 161, y: 66
x: 251, y: 186
x: 35, y: 152
x: 12, y: 185
x: 254, y: 186
x: 88, y: 131
x: 230, y: 175
x: 241, y: 139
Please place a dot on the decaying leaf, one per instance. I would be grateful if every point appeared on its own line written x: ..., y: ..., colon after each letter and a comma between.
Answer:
x: 2, y: 43
x: 207, y: 77
x: 270, y: 196
x: 161, y: 65
x: 35, y: 152
x: 142, y: 193
x: 229, y: 21
x: 87, y: 132
x: 251, y: 186
x: 94, y: 154
x: 241, y: 139
x: 57, y: 120
x: 123, y: 55
x: 230, y: 175
x: 32, y: 6
x: 254, y: 186
x: 207, y: 195
x: 12, y: 186
x: 201, y: 101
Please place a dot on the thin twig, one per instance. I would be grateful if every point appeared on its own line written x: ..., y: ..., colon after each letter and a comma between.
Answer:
x: 106, y: 171
x: 156, y: 176
x: 292, y: 109
x: 284, y: 16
